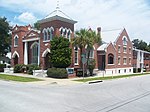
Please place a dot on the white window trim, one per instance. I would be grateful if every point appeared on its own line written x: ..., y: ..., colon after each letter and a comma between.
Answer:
x: 16, y: 36
x: 45, y: 52
x: 120, y: 60
x: 14, y: 54
x: 110, y: 64
x: 130, y: 50
x: 123, y: 61
x: 123, y: 49
x: 119, y: 51
x: 77, y: 56
x: 129, y: 60
x: 126, y: 40
x: 44, y: 32
x: 34, y: 44
x: 46, y: 41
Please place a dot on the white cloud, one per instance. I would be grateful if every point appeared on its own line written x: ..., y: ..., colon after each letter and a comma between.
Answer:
x: 26, y: 17
x: 109, y: 14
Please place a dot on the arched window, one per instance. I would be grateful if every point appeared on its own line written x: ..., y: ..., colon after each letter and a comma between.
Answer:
x: 110, y: 58
x: 15, y: 41
x: 76, y: 55
x: 61, y: 31
x: 44, y: 34
x: 48, y: 34
x: 91, y: 53
x: 51, y: 34
x: 65, y: 32
x: 68, y: 34
x: 124, y: 40
x: 34, y: 48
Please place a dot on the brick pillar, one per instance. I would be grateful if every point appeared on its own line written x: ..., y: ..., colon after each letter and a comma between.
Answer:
x: 57, y: 32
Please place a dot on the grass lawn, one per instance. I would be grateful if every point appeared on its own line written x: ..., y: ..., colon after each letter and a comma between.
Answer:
x: 109, y: 77
x: 17, y: 78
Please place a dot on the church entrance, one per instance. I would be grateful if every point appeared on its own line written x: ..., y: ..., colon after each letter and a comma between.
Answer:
x: 15, y: 60
x: 47, y: 61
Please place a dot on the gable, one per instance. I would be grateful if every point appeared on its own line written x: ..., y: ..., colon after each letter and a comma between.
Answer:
x: 32, y: 34
x: 111, y: 48
x: 123, y: 34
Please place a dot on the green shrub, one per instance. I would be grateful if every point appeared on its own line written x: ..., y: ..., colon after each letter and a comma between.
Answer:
x: 80, y: 73
x: 60, y: 52
x: 2, y: 66
x: 30, y: 68
x: 91, y: 66
x: 19, y: 68
x: 57, y: 73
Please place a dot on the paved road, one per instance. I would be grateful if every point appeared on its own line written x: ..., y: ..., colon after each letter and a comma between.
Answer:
x: 122, y: 95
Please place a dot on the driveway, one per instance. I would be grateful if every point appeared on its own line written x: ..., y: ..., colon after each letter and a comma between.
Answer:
x: 120, y: 95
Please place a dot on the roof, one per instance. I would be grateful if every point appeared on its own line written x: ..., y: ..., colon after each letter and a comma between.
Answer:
x: 58, y: 15
x: 102, y: 47
x: 30, y: 32
x: 135, y: 49
x: 110, y: 35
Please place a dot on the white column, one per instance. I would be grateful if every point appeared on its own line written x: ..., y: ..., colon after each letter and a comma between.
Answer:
x: 142, y: 61
x: 39, y: 53
x: 25, y: 53
x: 138, y: 59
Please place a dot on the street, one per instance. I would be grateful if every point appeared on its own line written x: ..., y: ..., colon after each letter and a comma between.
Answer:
x: 120, y: 95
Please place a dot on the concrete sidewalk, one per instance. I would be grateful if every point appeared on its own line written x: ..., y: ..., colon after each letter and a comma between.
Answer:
x: 46, y: 80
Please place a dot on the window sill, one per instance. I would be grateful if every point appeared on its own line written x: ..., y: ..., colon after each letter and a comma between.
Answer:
x: 46, y: 41
x: 16, y: 46
x: 110, y: 64
x: 76, y: 64
x: 124, y: 64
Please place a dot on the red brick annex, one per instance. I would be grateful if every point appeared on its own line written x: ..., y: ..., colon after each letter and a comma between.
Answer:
x: 117, y: 56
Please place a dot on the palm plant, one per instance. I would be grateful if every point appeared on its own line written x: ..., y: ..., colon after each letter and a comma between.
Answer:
x: 93, y: 39
x: 86, y: 38
x: 80, y: 40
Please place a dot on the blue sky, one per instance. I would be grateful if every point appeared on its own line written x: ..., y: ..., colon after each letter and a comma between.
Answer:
x: 134, y: 15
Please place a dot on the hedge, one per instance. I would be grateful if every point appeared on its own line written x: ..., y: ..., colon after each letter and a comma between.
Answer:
x: 2, y: 66
x: 19, y: 68
x: 31, y: 67
x: 57, y: 73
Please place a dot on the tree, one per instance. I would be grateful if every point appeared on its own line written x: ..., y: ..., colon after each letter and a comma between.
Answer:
x: 80, y: 41
x: 140, y: 44
x: 93, y: 39
x: 136, y: 43
x: 37, y: 25
x: 91, y: 66
x: 5, y: 40
x: 60, y: 52
x: 149, y: 47
x: 86, y: 38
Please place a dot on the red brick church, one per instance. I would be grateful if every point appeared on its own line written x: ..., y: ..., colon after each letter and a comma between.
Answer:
x: 31, y: 46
